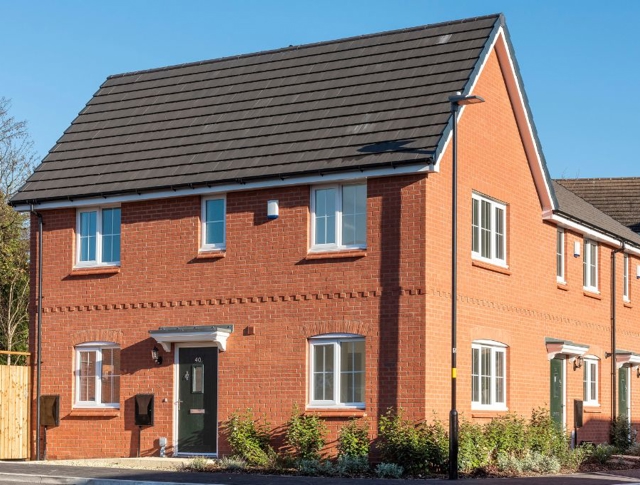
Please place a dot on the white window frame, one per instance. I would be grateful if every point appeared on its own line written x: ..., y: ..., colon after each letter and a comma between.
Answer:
x: 495, y: 348
x: 336, y: 340
x: 338, y: 245
x: 589, y: 262
x: 98, y: 261
x: 476, y: 231
x: 204, y: 246
x: 560, y: 256
x: 591, y: 365
x: 96, y: 347
x: 625, y: 278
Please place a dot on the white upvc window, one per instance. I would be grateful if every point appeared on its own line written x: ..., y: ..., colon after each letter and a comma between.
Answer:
x: 590, y: 265
x: 98, y: 236
x: 560, y: 258
x: 488, y: 375
x: 625, y: 277
x: 97, y: 375
x: 214, y: 223
x: 337, y: 371
x: 339, y: 217
x: 590, y: 381
x: 489, y: 230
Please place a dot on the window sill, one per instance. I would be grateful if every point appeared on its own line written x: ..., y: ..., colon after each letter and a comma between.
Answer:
x: 95, y: 270
x: 491, y: 267
x: 338, y: 254
x: 95, y: 413
x: 591, y: 294
x: 212, y: 254
x: 563, y: 286
x: 627, y: 304
x: 592, y: 409
x: 336, y: 412
x: 488, y: 414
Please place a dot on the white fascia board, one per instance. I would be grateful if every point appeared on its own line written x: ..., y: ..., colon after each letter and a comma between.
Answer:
x: 233, y: 187
x: 588, y: 232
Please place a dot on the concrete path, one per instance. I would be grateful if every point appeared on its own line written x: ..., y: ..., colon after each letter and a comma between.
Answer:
x: 51, y: 473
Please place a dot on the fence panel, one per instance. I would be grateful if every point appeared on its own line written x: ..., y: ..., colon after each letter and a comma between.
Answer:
x: 14, y: 412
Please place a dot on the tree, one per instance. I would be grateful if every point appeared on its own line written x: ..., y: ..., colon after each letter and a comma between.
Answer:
x: 16, y: 163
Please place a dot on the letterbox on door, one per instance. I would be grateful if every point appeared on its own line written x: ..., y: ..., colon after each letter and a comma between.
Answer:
x: 144, y: 410
x: 50, y: 410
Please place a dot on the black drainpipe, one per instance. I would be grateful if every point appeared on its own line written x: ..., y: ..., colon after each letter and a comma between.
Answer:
x: 39, y: 333
x: 613, y: 330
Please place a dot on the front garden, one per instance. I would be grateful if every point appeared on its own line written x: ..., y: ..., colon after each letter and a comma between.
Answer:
x: 509, y: 445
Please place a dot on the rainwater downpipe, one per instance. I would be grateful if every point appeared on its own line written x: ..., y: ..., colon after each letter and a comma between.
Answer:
x: 39, y: 333
x: 613, y: 330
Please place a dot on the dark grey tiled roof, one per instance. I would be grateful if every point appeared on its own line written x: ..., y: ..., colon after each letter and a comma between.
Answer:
x: 617, y: 197
x: 354, y: 103
x: 577, y: 208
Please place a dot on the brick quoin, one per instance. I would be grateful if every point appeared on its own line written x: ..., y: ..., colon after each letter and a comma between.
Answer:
x: 397, y: 295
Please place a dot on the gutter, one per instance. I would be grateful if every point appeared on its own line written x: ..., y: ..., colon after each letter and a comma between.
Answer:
x: 593, y: 232
x: 39, y: 334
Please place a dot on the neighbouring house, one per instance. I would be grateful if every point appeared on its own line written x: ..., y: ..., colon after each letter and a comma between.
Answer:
x: 618, y: 197
x: 276, y: 229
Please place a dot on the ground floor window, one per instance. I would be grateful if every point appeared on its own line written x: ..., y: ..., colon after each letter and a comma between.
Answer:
x: 590, y: 381
x: 337, y: 370
x: 488, y: 375
x: 97, y: 375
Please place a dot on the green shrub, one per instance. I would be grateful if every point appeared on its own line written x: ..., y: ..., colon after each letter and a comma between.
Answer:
x: 528, y: 462
x: 473, y: 451
x: 305, y: 434
x: 576, y: 457
x: 353, y: 440
x: 249, y: 439
x: 349, y: 465
x: 506, y: 435
x: 621, y: 434
x: 602, y: 453
x: 232, y: 463
x: 545, y: 436
x: 198, y: 464
x: 316, y: 467
x: 418, y: 448
x: 389, y: 470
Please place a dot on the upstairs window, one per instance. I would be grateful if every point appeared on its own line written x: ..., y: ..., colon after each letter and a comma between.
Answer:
x: 97, y: 374
x: 590, y: 381
x: 488, y: 375
x: 339, y: 217
x: 590, y: 265
x: 213, y: 223
x: 560, y: 256
x: 488, y: 235
x: 337, y: 371
x: 98, y: 236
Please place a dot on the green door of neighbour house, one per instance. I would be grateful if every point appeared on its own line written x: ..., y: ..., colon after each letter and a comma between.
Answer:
x: 198, y: 400
x: 556, y: 387
x: 623, y: 392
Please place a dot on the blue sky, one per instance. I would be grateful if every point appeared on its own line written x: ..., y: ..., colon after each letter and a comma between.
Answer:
x: 580, y: 60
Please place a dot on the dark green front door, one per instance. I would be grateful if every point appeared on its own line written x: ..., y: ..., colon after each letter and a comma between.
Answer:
x: 198, y: 400
x: 556, y: 399
x: 623, y: 392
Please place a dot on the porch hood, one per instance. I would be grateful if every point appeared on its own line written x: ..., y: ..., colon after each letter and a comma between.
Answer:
x: 216, y: 334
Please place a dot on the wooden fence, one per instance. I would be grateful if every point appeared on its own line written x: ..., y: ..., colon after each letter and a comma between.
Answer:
x: 14, y: 410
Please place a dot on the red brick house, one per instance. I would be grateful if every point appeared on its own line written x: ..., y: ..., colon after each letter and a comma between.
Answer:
x: 278, y: 226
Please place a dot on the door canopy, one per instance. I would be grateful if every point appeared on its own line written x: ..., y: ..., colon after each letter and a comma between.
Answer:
x: 216, y: 334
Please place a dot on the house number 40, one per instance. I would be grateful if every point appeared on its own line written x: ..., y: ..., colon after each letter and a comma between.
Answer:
x: 198, y: 359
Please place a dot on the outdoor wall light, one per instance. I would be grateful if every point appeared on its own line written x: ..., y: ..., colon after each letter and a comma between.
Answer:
x: 577, y: 362
x: 576, y: 249
x: 155, y: 355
